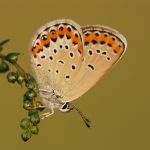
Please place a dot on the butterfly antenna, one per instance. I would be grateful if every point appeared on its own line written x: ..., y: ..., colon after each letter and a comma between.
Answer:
x: 85, y: 119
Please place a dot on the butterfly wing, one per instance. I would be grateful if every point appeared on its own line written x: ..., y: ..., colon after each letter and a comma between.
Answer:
x: 57, y: 51
x: 103, y: 47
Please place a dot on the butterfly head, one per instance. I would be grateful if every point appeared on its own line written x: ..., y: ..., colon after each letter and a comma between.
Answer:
x: 50, y: 97
x: 66, y: 107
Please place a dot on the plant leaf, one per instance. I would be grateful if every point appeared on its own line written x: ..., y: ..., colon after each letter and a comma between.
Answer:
x: 1, y: 49
x: 12, y: 57
x: 2, y: 43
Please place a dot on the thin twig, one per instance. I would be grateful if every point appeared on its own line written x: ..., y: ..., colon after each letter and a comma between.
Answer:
x: 21, y: 70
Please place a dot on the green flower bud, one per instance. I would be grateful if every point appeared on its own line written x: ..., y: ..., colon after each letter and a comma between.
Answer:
x: 34, y: 130
x: 12, y: 57
x: 30, y: 94
x: 35, y: 118
x: 20, y: 79
x: 3, y: 67
x: 30, y: 84
x: 27, y: 103
x: 39, y: 106
x: 25, y: 123
x: 12, y: 77
x: 26, y: 135
x: 32, y: 111
x: 25, y: 98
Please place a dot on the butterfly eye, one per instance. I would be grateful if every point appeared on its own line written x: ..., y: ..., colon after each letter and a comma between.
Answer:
x: 44, y: 37
x: 53, y: 31
x: 65, y: 107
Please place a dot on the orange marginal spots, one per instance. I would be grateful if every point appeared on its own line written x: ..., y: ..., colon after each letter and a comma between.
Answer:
x: 87, y: 38
x: 33, y: 52
x: 118, y: 48
x: 91, y: 36
x: 101, y: 38
x: 45, y: 42
x: 112, y: 41
x: 69, y: 33
x: 75, y: 39
x: 105, y: 36
x: 65, y: 30
x: 80, y: 48
x: 36, y: 50
x: 94, y: 37
x: 52, y: 36
x: 61, y: 32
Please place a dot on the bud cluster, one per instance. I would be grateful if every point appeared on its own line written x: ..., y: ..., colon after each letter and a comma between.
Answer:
x: 34, y: 107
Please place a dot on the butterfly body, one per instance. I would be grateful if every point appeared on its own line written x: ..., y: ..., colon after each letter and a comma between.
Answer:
x: 69, y: 59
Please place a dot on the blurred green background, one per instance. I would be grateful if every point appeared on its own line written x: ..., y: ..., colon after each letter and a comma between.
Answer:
x: 118, y: 106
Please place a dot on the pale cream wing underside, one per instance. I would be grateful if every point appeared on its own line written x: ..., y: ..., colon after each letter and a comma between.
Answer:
x: 57, y: 66
x: 103, y: 47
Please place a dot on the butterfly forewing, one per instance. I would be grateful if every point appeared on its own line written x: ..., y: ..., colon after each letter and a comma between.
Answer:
x: 103, y: 47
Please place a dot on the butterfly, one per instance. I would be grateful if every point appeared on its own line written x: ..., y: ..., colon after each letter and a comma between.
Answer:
x: 69, y: 59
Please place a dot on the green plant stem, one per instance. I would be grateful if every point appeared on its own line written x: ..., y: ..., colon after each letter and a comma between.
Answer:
x: 2, y: 56
x: 17, y: 66
x: 21, y: 70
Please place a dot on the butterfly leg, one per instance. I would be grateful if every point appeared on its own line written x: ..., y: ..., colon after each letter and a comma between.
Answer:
x: 40, y: 107
x: 34, y: 108
x: 46, y: 115
x: 51, y: 112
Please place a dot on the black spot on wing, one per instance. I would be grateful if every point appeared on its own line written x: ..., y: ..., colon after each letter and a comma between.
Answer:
x: 54, y: 40
x: 47, y: 45
x: 91, y: 66
x: 61, y: 35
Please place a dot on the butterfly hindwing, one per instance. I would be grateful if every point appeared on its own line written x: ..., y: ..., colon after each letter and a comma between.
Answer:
x: 57, y: 52
x: 103, y: 47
